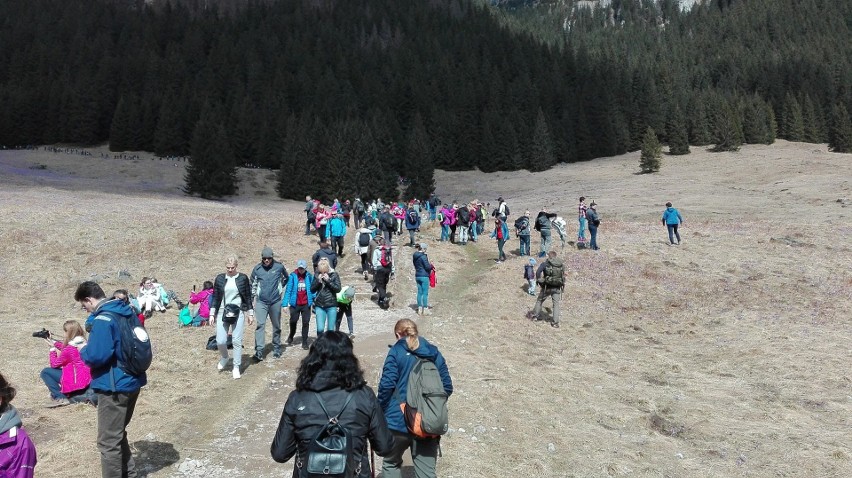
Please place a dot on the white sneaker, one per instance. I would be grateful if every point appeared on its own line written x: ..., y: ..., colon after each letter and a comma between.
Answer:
x: 236, y: 373
x: 220, y: 365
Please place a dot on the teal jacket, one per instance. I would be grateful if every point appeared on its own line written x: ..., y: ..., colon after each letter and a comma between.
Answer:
x: 671, y: 216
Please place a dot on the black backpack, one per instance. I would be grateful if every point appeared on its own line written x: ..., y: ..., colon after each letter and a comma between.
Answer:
x: 389, y: 221
x: 506, y: 209
x: 464, y: 215
x: 135, y: 353
x: 522, y: 223
x: 359, y: 207
x: 329, y: 453
x: 369, y: 220
x: 364, y: 239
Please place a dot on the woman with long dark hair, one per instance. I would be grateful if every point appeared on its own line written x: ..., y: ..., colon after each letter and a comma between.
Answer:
x: 328, y: 376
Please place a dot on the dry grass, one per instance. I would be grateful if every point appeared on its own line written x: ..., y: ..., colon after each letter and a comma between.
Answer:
x: 726, y: 356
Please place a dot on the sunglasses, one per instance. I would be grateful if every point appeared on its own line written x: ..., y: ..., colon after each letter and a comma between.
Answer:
x: 267, y: 258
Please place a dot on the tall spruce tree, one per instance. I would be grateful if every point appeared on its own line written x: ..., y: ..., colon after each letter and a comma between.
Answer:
x: 678, y: 133
x: 212, y: 171
x: 420, y: 165
x: 792, y: 121
x: 119, y: 134
x: 542, y: 155
x: 728, y: 131
x: 840, y: 140
x: 652, y: 151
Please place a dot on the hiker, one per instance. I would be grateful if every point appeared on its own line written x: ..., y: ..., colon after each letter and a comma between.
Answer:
x: 344, y: 308
x: 432, y: 206
x: 522, y: 230
x: 346, y: 210
x: 594, y: 221
x: 581, y: 214
x: 68, y: 378
x: 117, y: 390
x: 358, y: 210
x: 203, y: 298
x: 560, y: 226
x: 444, y: 218
x: 542, y: 225
x: 231, y: 291
x: 392, y: 389
x: 383, y: 268
x: 323, y: 214
x: 17, y: 451
x: 551, y: 277
x: 149, y: 297
x: 475, y: 212
x: 298, y: 300
x: 398, y: 212
x: 529, y: 275
x: 502, y: 209
x: 422, y: 268
x: 268, y: 279
x: 330, y: 383
x: 309, y: 215
x: 672, y: 219
x: 412, y: 224
x: 324, y: 252
x: 123, y: 295
x: 501, y: 233
x: 463, y: 221
x: 337, y: 231
x: 364, y: 236
x: 325, y: 287
x: 387, y: 224
x: 453, y: 216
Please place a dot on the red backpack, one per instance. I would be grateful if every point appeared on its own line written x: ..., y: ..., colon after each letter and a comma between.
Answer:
x: 386, y: 260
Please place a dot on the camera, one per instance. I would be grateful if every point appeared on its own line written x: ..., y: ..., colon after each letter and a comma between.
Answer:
x: 42, y: 334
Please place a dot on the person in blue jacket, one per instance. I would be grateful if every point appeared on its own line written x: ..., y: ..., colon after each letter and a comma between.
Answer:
x: 393, y: 385
x: 412, y: 223
x: 501, y: 233
x: 672, y: 219
x: 337, y: 231
x: 117, y: 390
x: 422, y: 269
x: 299, y: 299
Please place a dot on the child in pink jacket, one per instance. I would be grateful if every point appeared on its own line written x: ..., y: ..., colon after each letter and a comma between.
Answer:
x: 17, y: 451
x: 202, y: 298
x: 67, y: 375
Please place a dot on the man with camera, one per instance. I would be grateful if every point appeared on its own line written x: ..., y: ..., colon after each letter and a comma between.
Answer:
x: 117, y: 390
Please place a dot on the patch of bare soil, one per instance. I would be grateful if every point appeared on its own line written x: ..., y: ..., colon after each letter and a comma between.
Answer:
x: 726, y: 356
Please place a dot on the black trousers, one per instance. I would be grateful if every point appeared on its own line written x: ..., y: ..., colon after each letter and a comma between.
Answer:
x: 381, y: 276
x: 305, y: 312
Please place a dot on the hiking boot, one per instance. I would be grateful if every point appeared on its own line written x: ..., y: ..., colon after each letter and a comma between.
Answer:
x: 366, y: 277
x: 289, y: 341
x: 555, y: 325
x: 58, y: 402
x: 276, y: 354
x: 351, y: 336
x: 305, y: 346
x: 258, y: 357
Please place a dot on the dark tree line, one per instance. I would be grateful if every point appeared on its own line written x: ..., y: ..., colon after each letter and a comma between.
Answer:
x: 347, y: 96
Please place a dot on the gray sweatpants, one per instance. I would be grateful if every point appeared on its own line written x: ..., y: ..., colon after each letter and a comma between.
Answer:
x: 262, y: 310
x: 424, y: 455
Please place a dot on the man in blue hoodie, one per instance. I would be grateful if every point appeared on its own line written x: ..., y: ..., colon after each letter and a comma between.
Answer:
x: 672, y: 219
x: 268, y: 280
x: 117, y: 390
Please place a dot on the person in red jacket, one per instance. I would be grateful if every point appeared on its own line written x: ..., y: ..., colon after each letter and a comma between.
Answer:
x: 68, y: 378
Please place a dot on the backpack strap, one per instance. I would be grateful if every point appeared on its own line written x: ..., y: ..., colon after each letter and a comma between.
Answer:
x: 334, y: 418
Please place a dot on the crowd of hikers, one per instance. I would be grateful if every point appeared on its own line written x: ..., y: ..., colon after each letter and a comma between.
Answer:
x: 332, y: 414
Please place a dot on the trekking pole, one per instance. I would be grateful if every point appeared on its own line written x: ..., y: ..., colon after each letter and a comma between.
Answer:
x: 372, y: 463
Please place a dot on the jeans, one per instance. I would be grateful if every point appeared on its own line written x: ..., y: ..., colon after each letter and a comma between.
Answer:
x: 305, y: 312
x: 581, y: 234
x: 325, y: 314
x: 531, y: 288
x: 422, y: 291
x: 525, y: 245
x: 51, y: 378
x: 545, y: 243
x: 424, y: 455
x: 273, y: 311
x: 555, y: 293
x: 445, y: 232
x: 433, y: 214
x: 473, y: 228
x: 411, y: 233
x: 337, y: 242
x: 236, y: 336
x: 463, y: 234
x: 673, y: 228
x: 501, y: 256
x: 594, y: 242
x: 388, y: 236
x: 344, y: 310
x: 115, y: 409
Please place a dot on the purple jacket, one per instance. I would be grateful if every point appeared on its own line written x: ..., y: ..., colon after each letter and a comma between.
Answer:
x: 17, y: 452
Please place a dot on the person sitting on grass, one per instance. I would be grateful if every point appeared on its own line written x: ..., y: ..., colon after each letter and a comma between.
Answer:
x: 149, y: 297
x: 202, y: 298
x: 68, y: 378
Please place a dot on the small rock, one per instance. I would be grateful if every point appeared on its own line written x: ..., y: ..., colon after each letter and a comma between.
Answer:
x: 151, y: 437
x: 479, y: 429
x: 124, y: 274
x: 187, y: 466
x: 461, y: 430
x: 741, y: 460
x: 679, y: 456
x: 551, y: 447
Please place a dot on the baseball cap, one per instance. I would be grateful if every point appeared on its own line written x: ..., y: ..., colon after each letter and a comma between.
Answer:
x: 301, y: 264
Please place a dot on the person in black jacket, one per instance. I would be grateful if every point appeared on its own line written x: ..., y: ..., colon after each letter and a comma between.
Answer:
x: 232, y: 287
x: 331, y: 371
x: 325, y: 251
x: 325, y: 287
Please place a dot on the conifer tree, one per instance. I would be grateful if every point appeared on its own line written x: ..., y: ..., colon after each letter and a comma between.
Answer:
x: 727, y: 128
x: 119, y: 133
x: 792, y: 122
x: 169, y: 135
x: 542, y: 156
x: 652, y: 151
x: 420, y: 165
x: 678, y: 133
x: 699, y: 124
x: 211, y: 172
x: 812, y: 121
x: 841, y: 131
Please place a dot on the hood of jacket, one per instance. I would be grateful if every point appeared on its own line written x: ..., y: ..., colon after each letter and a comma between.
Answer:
x: 115, y: 306
x: 9, y: 418
x: 425, y: 350
x: 323, y: 380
